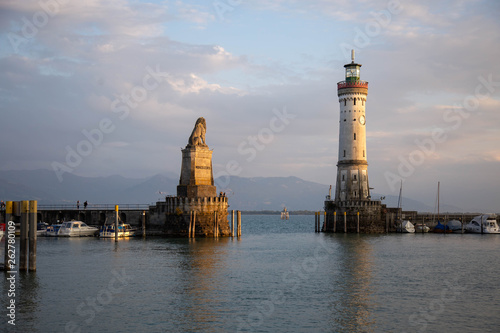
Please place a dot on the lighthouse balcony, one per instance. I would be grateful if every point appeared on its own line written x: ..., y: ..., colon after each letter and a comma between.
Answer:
x: 352, y: 84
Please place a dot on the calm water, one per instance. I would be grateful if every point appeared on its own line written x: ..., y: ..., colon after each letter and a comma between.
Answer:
x: 279, y: 277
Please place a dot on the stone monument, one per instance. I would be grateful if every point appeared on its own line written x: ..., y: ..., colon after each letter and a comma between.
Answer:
x: 196, y: 210
x: 197, y: 178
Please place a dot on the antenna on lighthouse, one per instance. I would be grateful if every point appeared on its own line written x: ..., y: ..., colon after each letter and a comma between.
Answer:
x: 352, y: 55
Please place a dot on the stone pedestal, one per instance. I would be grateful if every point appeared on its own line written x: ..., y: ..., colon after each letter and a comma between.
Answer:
x: 197, y: 178
x: 372, y: 216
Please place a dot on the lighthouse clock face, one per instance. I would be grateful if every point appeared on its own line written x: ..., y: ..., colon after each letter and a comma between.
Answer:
x: 362, y: 120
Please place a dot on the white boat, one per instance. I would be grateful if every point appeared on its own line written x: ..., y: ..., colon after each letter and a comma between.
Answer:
x: 52, y: 230
x: 489, y: 225
x: 284, y: 214
x: 405, y: 227
x: 76, y: 229
x: 124, y: 230
x: 421, y: 227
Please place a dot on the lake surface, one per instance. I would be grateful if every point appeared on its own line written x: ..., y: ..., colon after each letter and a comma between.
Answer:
x: 280, y: 276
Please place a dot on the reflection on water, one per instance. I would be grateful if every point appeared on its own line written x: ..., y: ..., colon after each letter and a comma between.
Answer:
x: 202, y: 273
x: 350, y: 285
x: 28, y: 299
x: 324, y: 283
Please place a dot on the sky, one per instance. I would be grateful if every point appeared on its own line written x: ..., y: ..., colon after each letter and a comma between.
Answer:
x: 98, y: 88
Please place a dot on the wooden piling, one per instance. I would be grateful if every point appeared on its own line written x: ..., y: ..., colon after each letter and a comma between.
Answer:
x: 143, y: 223
x: 324, y: 222
x: 23, y: 250
x: 345, y: 222
x: 232, y: 223
x: 357, y: 225
x: 193, y: 228
x: 116, y: 223
x: 32, y: 234
x: 318, y: 222
x: 334, y: 221
x: 216, y: 232
x: 190, y: 223
x: 8, y: 217
x: 239, y: 223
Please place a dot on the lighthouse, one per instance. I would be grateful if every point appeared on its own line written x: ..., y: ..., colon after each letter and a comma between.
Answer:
x: 352, y: 209
x: 352, y: 166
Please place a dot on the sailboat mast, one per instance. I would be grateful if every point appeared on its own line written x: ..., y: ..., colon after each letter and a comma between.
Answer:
x: 438, y: 202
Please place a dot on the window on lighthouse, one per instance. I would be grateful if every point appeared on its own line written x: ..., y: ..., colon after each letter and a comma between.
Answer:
x: 355, y: 101
x: 354, y: 136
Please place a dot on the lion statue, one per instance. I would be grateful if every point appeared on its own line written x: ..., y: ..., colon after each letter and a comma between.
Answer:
x: 197, y: 137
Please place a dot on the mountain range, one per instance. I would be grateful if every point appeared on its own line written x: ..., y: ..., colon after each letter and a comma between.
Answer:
x: 247, y: 194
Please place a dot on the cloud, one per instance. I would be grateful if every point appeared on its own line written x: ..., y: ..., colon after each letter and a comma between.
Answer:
x: 268, y: 55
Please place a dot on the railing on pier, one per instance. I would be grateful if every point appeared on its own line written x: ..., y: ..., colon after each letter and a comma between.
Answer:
x: 94, y: 207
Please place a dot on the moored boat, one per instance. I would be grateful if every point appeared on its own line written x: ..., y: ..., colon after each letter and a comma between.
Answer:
x: 41, y: 228
x: 455, y: 226
x: 421, y: 227
x: 76, y: 229
x: 483, y: 224
x: 405, y: 227
x: 124, y: 230
x: 52, y: 230
x: 441, y: 228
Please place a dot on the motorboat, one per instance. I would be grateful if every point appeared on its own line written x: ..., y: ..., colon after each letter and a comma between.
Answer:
x: 488, y: 222
x: 41, y: 228
x: 76, y: 229
x: 421, y: 227
x: 52, y: 230
x: 284, y: 214
x: 124, y: 230
x: 441, y: 228
x: 455, y: 226
x: 405, y: 227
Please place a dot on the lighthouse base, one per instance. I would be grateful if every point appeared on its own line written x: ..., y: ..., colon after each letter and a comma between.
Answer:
x: 361, y: 216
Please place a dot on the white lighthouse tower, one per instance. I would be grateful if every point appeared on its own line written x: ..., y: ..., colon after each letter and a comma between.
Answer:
x: 352, y: 210
x: 352, y: 166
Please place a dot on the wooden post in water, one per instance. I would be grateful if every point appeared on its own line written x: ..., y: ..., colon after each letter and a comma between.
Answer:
x: 193, y: 228
x: 345, y: 222
x: 8, y: 217
x: 324, y: 222
x: 334, y: 221
x: 238, y: 223
x: 357, y: 225
x: 232, y: 223
x: 143, y: 223
x: 23, y: 258
x: 32, y: 234
x: 116, y: 223
x: 190, y: 223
